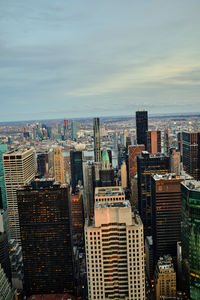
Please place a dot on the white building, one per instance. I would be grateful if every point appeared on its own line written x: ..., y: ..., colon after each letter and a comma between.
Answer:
x: 115, y: 253
x: 109, y: 194
x: 19, y: 169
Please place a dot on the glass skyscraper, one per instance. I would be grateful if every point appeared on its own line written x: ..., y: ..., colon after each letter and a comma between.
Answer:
x: 142, y: 127
x: 96, y: 128
x: 190, y: 228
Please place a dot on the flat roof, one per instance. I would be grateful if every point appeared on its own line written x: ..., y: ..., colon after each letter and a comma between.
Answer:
x: 171, y: 176
x: 192, y: 185
x: 109, y: 191
x: 120, y: 204
x: 17, y: 151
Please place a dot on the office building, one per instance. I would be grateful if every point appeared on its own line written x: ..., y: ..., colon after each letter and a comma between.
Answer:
x: 16, y: 262
x: 77, y: 214
x: 191, y: 153
x: 149, y: 256
x: 4, y: 247
x: 142, y: 127
x: 42, y: 164
x: 76, y: 163
x: 19, y: 168
x: 97, y: 141
x: 167, y: 140
x: 148, y: 164
x: 3, y: 202
x: 6, y: 292
x: 58, y: 165
x: 165, y: 278
x: 190, y: 231
x: 115, y: 253
x: 166, y: 213
x: 133, y: 151
x: 74, y: 130
x: 124, y: 175
x: 88, y: 178
x: 154, y: 142
x: 105, y: 160
x: 45, y: 235
x: 107, y: 177
x: 109, y: 194
x: 66, y: 129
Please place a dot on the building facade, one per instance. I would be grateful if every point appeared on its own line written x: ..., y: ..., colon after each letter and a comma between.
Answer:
x: 58, y: 165
x: 97, y: 141
x: 154, y: 142
x: 76, y: 164
x: 3, y: 202
x: 142, y: 127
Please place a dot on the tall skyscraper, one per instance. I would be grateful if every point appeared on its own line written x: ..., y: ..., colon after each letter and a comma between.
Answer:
x: 6, y: 292
x: 42, y: 164
x: 148, y: 164
x: 66, y: 129
x: 105, y: 160
x: 45, y: 235
x: 115, y: 253
x: 3, y: 149
x: 175, y: 160
x: 154, y: 142
x: 88, y: 178
x: 133, y: 151
x: 190, y: 231
x: 97, y: 142
x: 124, y: 175
x: 76, y: 161
x: 74, y: 130
x: 167, y: 140
x: 166, y: 213
x: 4, y: 247
x: 191, y: 153
x: 19, y: 168
x: 142, y: 127
x: 58, y: 165
x: 165, y: 279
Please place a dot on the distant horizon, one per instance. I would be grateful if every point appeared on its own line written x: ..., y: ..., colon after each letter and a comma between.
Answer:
x: 150, y: 115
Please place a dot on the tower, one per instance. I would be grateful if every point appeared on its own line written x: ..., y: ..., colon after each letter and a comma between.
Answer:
x: 3, y: 149
x: 154, y: 142
x: 58, y: 165
x: 115, y: 252
x: 142, y: 127
x: 45, y: 235
x: 19, y: 168
x: 74, y: 130
x: 76, y: 162
x: 66, y: 129
x: 96, y: 129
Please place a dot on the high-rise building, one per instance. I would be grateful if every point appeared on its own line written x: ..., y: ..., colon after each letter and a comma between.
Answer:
x: 175, y: 160
x: 148, y: 164
x: 105, y: 160
x: 97, y: 142
x: 76, y: 162
x: 74, y: 130
x: 58, y: 165
x: 6, y: 292
x: 190, y: 231
x: 124, y: 175
x: 88, y: 178
x: 4, y: 247
x: 133, y: 151
x: 77, y: 215
x: 42, y: 164
x: 165, y: 278
x: 115, y: 253
x: 142, y: 127
x: 154, y: 142
x: 166, y: 213
x: 45, y: 235
x: 191, y: 153
x: 19, y: 168
x: 149, y: 256
x: 3, y: 149
x: 109, y: 194
x: 167, y: 140
x: 66, y: 129
x: 107, y: 177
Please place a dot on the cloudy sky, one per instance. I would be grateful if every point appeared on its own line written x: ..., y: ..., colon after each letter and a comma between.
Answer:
x: 98, y: 58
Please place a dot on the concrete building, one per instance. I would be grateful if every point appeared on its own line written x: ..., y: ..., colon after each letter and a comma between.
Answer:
x: 165, y: 278
x: 6, y: 292
x: 19, y: 168
x: 115, y: 252
x: 133, y: 152
x: 175, y: 160
x: 58, y: 165
x: 123, y: 175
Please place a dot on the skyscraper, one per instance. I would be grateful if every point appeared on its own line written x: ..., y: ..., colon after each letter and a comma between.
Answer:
x: 58, y: 165
x: 96, y: 129
x: 6, y: 292
x: 74, y: 130
x: 19, y: 168
x: 66, y: 129
x: 133, y: 151
x: 191, y: 153
x: 42, y: 163
x: 45, y: 235
x: 148, y: 164
x: 167, y: 140
x: 115, y: 253
x: 3, y: 149
x: 190, y: 231
x: 4, y: 248
x: 76, y: 162
x: 154, y: 142
x: 175, y: 159
x: 142, y: 127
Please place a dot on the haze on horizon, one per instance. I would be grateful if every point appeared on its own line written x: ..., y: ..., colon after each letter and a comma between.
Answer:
x: 79, y: 58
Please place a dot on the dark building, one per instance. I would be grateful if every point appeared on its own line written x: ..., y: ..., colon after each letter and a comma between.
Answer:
x: 154, y: 142
x: 76, y: 165
x: 142, y: 127
x: 42, y: 163
x: 45, y: 235
x: 4, y: 247
x: 107, y: 177
x: 96, y: 128
x: 166, y: 214
x: 147, y: 165
x: 77, y: 215
x: 191, y: 153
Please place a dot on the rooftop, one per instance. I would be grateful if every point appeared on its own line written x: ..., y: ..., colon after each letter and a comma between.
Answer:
x: 120, y: 204
x: 171, y: 176
x: 109, y: 191
x: 192, y: 185
x: 165, y: 263
x: 17, y: 151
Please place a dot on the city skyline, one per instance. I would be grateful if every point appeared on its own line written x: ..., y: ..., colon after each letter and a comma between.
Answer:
x: 88, y: 59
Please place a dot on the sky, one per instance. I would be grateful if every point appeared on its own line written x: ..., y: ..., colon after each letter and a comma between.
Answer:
x: 72, y: 59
